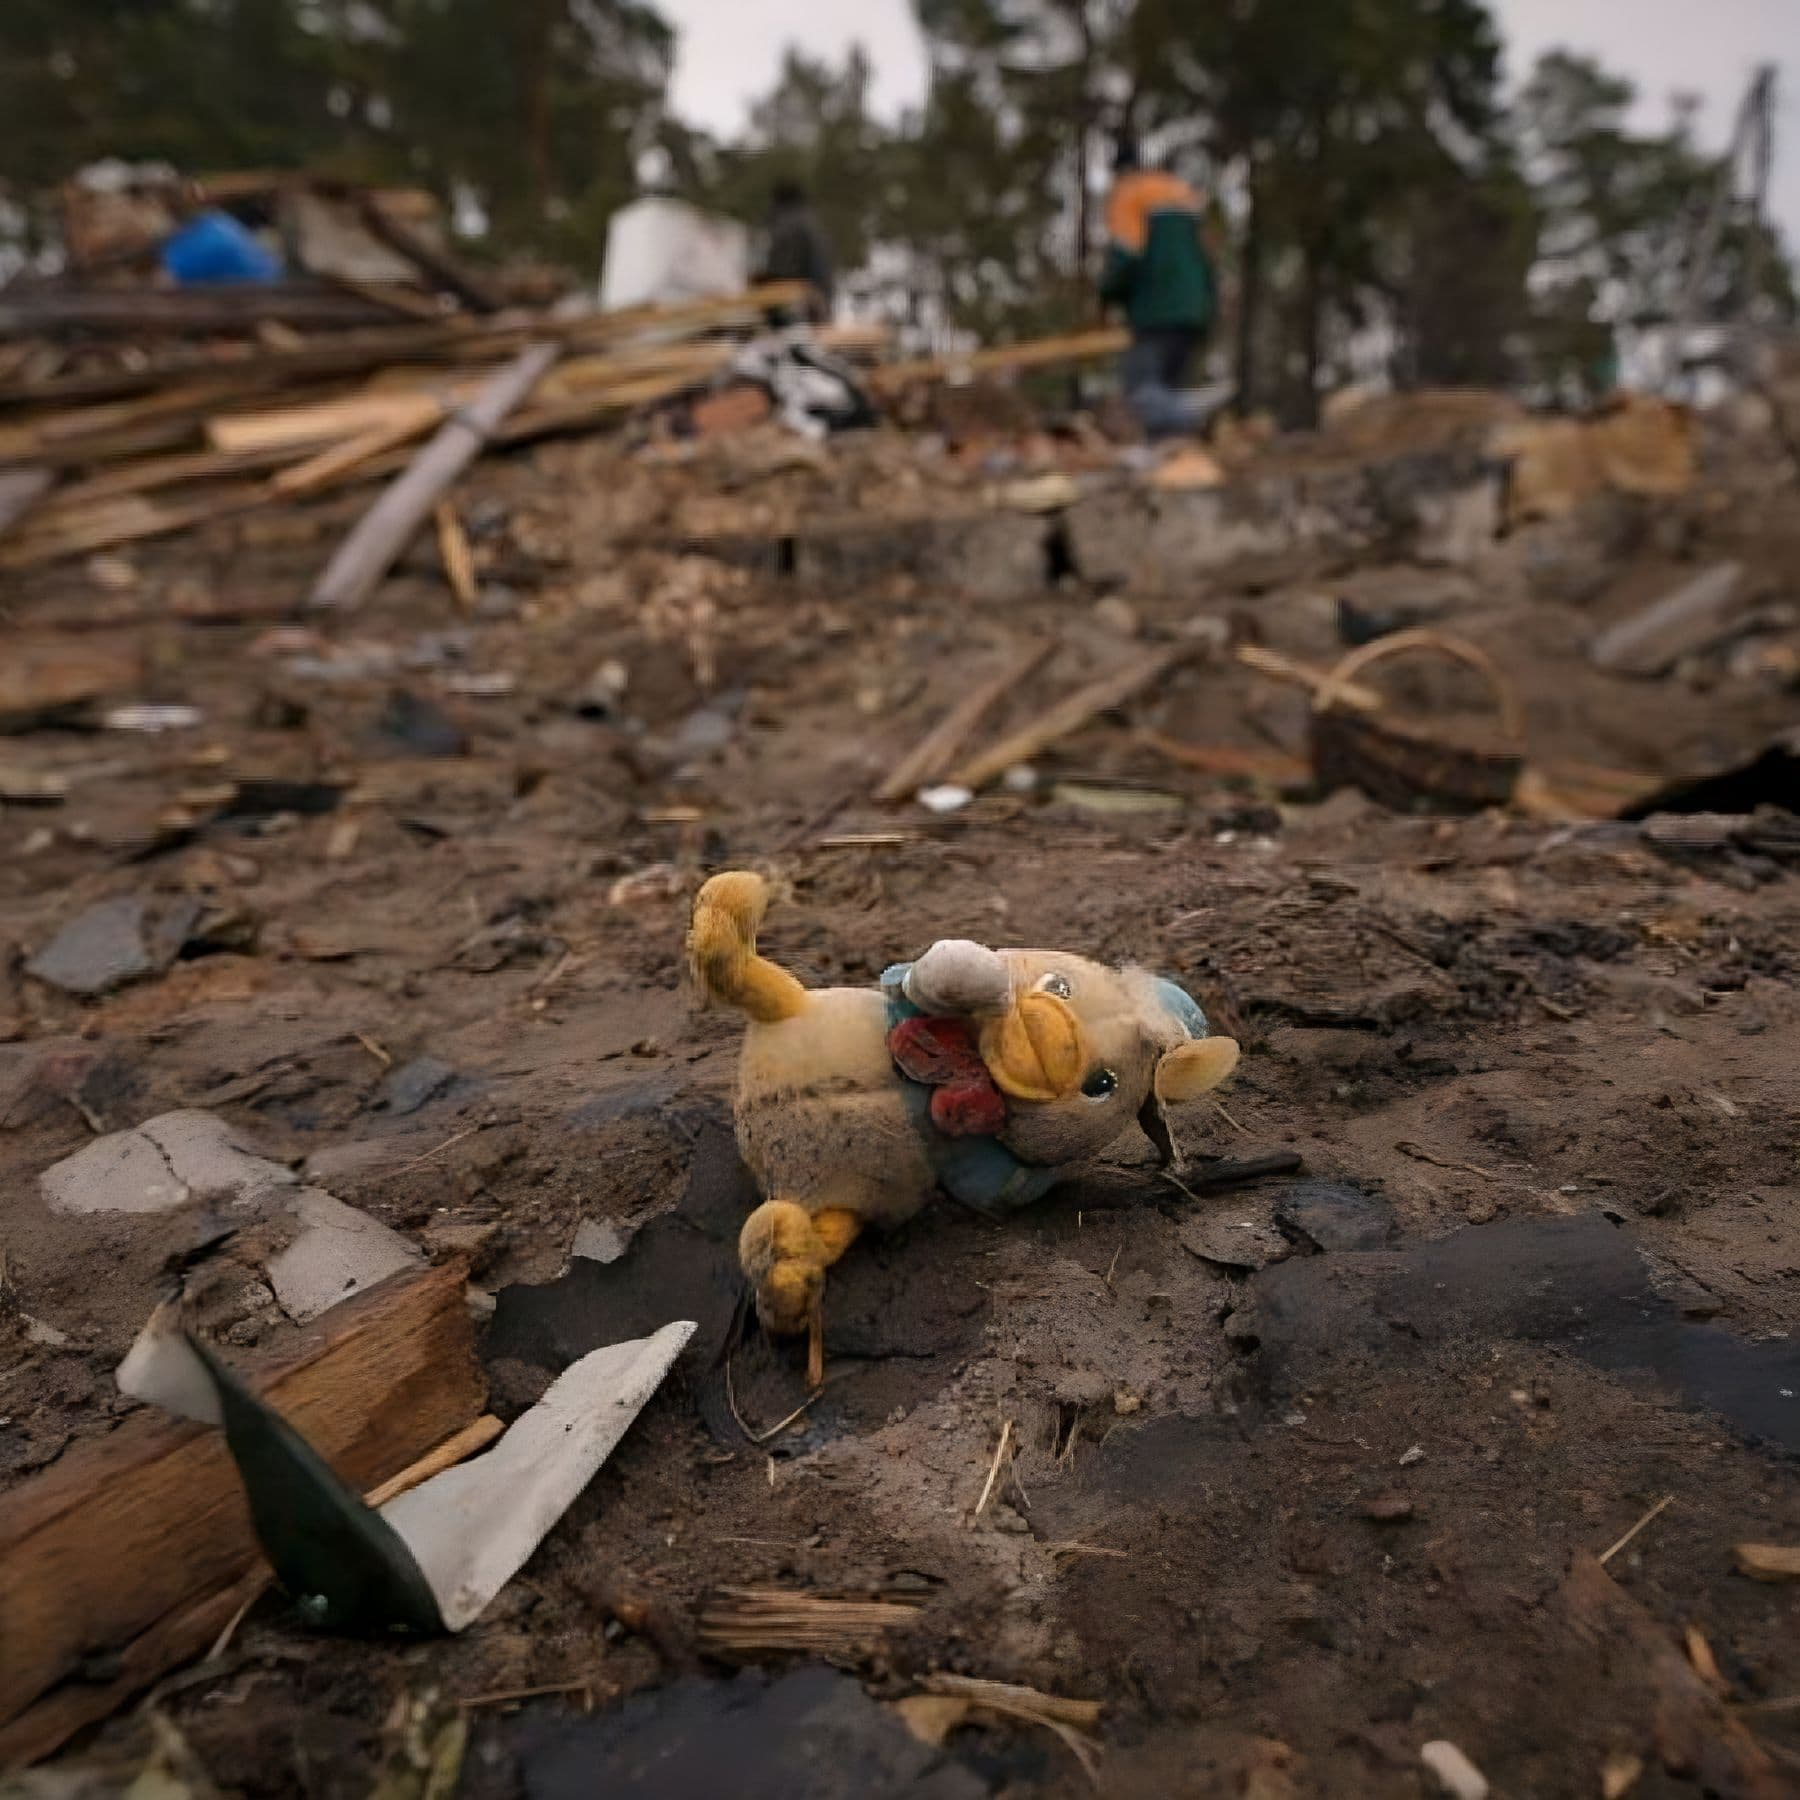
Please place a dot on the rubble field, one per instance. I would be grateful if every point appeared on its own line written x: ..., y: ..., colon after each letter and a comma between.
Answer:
x: 1296, y: 1476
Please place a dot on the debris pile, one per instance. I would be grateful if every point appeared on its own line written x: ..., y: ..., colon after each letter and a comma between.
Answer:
x: 1445, y: 757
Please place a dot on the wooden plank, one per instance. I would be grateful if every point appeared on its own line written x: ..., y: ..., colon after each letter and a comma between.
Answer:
x: 386, y: 529
x: 1002, y: 359
x: 346, y: 416
x: 156, y: 473
x: 133, y: 1528
x: 191, y: 1630
x: 1070, y: 713
x: 133, y: 312
x: 130, y: 520
x: 356, y: 352
x: 349, y: 456
x: 407, y: 302
x: 1230, y: 761
x: 1682, y: 622
x: 425, y: 256
x: 946, y: 739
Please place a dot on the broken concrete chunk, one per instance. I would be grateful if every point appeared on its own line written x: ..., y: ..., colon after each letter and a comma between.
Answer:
x: 181, y: 1157
x: 114, y: 942
x: 161, y: 1164
x: 339, y: 1252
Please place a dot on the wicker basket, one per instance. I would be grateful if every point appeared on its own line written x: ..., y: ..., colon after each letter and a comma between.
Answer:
x: 1404, y: 766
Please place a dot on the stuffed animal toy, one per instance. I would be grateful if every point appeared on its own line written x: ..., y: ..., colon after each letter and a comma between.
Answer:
x: 985, y: 1074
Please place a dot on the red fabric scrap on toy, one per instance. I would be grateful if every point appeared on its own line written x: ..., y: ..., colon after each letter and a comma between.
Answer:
x: 942, y: 1054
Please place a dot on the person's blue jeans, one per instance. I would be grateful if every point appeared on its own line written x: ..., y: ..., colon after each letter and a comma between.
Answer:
x: 1153, y: 372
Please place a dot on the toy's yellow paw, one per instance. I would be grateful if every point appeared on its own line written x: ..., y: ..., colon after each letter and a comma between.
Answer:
x: 785, y: 1263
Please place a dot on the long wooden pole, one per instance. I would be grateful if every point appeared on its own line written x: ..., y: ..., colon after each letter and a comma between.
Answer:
x: 388, y: 526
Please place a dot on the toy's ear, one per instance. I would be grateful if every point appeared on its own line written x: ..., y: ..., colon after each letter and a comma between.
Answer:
x: 1191, y: 1068
x: 1187, y: 1070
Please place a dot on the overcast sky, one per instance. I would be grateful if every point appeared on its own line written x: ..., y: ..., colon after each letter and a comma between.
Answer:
x: 730, y: 50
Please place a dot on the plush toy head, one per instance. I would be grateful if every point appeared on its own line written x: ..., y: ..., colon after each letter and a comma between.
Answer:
x: 1078, y: 1049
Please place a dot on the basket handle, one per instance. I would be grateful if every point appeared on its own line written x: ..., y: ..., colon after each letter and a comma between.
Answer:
x: 1506, y: 696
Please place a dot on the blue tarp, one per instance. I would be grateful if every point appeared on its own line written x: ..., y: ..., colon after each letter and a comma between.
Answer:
x: 213, y: 249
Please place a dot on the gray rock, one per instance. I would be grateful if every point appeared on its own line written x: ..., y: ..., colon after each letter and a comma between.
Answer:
x: 1334, y: 1216
x: 599, y: 1240
x: 1235, y: 1238
x: 114, y: 942
x: 408, y: 1087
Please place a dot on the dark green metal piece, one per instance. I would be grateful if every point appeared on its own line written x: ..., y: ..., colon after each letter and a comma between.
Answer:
x: 345, y: 1566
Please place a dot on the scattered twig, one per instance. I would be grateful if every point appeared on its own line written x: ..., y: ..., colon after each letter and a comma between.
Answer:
x: 1070, y: 713
x: 1607, y: 1555
x: 775, y: 1430
x: 458, y: 559
x: 1419, y: 1153
x: 749, y: 1620
x: 580, y: 1684
x: 1219, y: 1108
x: 946, y: 739
x: 1233, y: 1171
x: 987, y: 1492
x: 1071, y: 1720
x: 1077, y: 1549
x: 1289, y: 668
x: 1107, y: 1277
x: 419, y: 1162
x: 1700, y: 1654
x: 384, y: 1057
x: 1787, y: 1703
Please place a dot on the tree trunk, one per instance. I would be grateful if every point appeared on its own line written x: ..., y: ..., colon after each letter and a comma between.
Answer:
x: 1312, y: 333
x: 538, y: 26
x: 1250, y: 274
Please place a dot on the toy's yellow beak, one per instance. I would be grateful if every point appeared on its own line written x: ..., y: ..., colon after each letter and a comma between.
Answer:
x: 1034, y: 1051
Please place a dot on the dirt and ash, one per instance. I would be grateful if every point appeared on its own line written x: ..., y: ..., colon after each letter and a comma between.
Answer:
x: 1297, y: 1476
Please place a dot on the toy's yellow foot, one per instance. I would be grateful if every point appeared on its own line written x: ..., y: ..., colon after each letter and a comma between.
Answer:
x: 785, y: 1251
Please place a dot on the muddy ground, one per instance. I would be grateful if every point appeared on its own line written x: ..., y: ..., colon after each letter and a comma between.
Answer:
x: 1304, y: 1468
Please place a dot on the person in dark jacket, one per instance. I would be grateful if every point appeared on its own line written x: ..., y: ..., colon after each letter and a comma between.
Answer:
x: 795, y: 248
x: 1159, y: 273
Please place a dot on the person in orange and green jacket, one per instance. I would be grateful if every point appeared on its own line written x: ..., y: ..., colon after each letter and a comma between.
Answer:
x: 1160, y: 273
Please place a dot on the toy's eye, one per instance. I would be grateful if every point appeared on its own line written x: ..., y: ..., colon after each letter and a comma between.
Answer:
x: 1057, y: 985
x: 1100, y: 1085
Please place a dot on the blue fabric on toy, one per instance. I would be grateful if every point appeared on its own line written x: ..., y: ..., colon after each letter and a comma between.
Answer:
x: 979, y: 1172
x: 1180, y: 1004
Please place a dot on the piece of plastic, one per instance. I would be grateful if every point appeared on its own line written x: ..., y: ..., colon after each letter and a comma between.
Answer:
x: 660, y: 251
x: 213, y: 250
